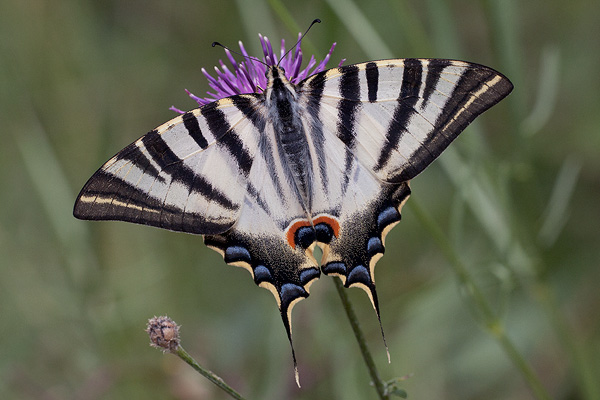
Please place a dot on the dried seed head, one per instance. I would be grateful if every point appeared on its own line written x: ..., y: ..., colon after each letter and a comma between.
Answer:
x: 164, y: 333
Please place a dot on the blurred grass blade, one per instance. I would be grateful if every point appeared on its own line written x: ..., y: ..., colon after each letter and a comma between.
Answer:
x: 361, y: 29
x: 480, y: 198
x: 445, y: 39
x: 55, y: 196
x: 284, y: 14
x: 556, y: 213
x: 547, y: 92
x: 413, y: 29
x: 503, y: 15
x: 480, y: 303
x: 257, y: 19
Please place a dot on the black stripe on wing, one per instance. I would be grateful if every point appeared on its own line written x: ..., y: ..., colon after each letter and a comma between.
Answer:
x: 372, y: 73
x: 248, y: 106
x: 193, y: 127
x: 408, y: 97
x: 436, y: 99
x: 172, y: 165
x: 133, y: 154
x: 313, y: 108
x: 434, y: 71
x: 106, y: 197
x: 477, y: 89
x: 227, y: 138
x: 348, y: 107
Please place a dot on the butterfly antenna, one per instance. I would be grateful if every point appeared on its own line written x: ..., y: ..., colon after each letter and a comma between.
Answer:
x: 238, y: 53
x: 315, y: 21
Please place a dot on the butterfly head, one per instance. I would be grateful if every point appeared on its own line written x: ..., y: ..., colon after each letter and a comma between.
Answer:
x: 280, y: 94
x: 276, y: 80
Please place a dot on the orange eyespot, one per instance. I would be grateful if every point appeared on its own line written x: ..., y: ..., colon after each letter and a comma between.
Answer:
x: 323, y: 219
x: 331, y: 221
x: 291, y: 231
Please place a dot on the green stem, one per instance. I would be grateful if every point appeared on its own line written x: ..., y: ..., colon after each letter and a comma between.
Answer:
x: 491, y: 321
x: 207, y: 374
x: 360, y: 338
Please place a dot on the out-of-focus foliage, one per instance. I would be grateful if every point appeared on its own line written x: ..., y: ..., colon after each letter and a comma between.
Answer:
x: 517, y: 198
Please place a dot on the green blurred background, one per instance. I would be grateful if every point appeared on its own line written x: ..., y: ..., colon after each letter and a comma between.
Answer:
x: 516, y: 198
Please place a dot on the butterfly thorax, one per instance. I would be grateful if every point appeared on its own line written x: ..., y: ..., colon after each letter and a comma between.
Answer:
x: 282, y: 104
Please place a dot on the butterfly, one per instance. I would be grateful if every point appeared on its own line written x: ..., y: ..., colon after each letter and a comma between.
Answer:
x: 267, y: 176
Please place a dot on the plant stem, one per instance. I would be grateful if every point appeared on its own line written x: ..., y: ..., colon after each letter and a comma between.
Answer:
x: 207, y: 374
x: 491, y: 321
x: 360, y: 337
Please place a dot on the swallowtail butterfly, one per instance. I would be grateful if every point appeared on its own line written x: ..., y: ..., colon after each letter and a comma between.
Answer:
x: 267, y: 176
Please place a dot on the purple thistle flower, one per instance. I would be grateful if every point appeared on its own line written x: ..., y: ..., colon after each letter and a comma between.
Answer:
x: 249, y: 75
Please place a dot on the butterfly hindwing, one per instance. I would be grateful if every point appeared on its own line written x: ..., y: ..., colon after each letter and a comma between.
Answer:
x: 258, y: 240
x: 270, y: 239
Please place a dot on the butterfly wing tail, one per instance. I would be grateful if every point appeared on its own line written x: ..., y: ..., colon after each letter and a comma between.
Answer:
x: 352, y: 255
x: 286, y: 272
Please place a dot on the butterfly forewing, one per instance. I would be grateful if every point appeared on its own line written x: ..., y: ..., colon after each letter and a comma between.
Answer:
x: 406, y: 111
x: 180, y: 176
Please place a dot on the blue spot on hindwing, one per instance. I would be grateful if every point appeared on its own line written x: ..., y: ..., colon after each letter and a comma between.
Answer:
x: 359, y: 274
x: 237, y: 253
x: 375, y: 246
x: 324, y: 232
x: 304, y: 236
x: 387, y: 216
x: 335, y: 268
x: 308, y: 275
x: 289, y: 292
x: 261, y: 274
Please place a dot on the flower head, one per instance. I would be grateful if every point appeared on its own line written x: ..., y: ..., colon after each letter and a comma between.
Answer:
x: 249, y: 75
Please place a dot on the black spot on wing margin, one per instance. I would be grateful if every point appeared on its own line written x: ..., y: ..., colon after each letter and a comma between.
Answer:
x: 272, y: 262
